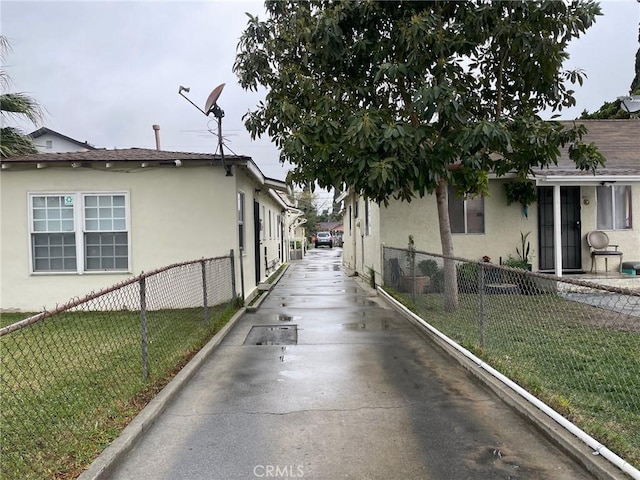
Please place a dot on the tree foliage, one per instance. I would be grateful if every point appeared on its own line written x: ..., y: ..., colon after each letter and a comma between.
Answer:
x: 392, y: 98
x: 635, y: 83
x: 12, y: 140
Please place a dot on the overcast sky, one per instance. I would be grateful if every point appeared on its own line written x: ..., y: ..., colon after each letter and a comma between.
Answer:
x: 107, y: 71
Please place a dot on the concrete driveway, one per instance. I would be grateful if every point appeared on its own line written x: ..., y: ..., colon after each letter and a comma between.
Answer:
x: 355, y: 393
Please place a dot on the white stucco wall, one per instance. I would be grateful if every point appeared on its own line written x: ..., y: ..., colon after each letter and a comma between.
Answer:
x: 361, y: 248
x: 176, y: 214
x: 58, y: 144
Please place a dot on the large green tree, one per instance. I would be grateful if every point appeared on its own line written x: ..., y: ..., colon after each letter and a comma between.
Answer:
x: 401, y: 99
x: 13, y: 141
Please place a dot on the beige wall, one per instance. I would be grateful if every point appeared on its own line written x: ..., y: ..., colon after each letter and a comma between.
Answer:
x: 176, y: 214
x: 628, y: 240
x: 503, y: 225
x: 361, y: 248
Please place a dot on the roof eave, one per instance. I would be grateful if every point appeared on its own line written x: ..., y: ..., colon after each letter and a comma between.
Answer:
x: 548, y: 180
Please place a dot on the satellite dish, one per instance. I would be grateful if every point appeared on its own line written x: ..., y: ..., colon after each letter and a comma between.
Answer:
x: 630, y: 103
x: 212, y: 107
x: 213, y: 98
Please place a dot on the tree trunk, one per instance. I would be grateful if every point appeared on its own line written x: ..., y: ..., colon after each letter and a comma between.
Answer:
x: 450, y: 277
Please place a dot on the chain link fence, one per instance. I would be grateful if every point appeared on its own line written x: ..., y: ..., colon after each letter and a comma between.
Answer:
x: 573, y: 344
x: 71, y: 378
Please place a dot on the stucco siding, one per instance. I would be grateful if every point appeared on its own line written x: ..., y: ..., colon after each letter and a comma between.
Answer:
x: 175, y: 215
x: 57, y: 144
x: 361, y: 248
x: 628, y: 240
x: 502, y: 226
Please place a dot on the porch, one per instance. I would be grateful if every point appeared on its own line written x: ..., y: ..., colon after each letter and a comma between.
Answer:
x: 611, y: 279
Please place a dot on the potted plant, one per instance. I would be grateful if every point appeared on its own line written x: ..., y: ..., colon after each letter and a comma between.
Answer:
x: 525, y: 255
x: 429, y: 269
x: 523, y: 261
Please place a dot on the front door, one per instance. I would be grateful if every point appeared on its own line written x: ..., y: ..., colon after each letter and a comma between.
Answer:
x: 570, y: 229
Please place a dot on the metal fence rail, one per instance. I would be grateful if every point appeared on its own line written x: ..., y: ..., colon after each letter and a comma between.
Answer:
x: 69, y: 376
x: 573, y: 344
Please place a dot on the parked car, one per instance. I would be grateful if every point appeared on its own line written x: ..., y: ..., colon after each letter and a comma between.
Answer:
x: 324, y: 238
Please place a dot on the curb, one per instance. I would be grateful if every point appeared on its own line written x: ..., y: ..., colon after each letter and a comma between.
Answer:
x: 265, y: 288
x: 595, y: 464
x: 103, y: 466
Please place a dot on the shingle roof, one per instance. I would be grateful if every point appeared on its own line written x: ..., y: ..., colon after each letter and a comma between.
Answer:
x: 119, y: 155
x: 617, y: 140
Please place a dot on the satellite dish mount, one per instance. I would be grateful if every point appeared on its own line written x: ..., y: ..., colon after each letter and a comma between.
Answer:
x: 211, y: 106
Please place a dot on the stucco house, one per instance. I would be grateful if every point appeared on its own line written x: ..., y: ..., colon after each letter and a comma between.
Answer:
x: 50, y: 141
x: 570, y: 203
x: 77, y: 222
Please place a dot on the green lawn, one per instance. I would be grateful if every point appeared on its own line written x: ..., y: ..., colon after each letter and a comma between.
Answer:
x: 581, y: 360
x: 69, y: 384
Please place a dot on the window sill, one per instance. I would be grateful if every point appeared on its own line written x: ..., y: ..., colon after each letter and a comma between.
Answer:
x: 91, y: 272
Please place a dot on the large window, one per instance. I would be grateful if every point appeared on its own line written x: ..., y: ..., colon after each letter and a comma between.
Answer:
x: 53, y: 237
x: 614, y: 207
x: 79, y: 232
x: 466, y: 216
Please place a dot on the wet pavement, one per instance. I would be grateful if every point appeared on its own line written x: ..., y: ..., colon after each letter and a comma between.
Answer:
x: 324, y: 381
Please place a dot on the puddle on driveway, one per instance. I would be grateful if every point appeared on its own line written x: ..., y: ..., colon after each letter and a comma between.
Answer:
x: 280, y: 317
x: 272, y: 335
x: 372, y: 326
x: 355, y: 326
x: 364, y: 302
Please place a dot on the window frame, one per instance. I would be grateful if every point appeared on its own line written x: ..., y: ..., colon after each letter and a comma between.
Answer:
x: 613, y: 211
x: 451, y: 195
x: 79, y: 231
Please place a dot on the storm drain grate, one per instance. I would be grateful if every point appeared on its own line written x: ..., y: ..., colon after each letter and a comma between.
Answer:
x: 272, y: 335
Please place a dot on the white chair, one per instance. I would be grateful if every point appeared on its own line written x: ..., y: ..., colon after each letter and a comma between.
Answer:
x: 599, y: 246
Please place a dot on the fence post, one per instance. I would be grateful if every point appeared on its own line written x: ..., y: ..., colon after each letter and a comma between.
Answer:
x: 412, y: 254
x: 481, y: 303
x: 143, y: 329
x: 204, y: 292
x: 233, y: 273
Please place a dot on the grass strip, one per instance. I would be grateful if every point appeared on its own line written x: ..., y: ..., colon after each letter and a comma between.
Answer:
x: 71, y: 383
x: 582, y: 360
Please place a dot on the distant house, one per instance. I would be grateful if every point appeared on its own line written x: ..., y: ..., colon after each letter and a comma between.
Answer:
x: 335, y: 228
x: 487, y: 226
x: 50, y: 141
x: 72, y: 223
x: 329, y: 227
